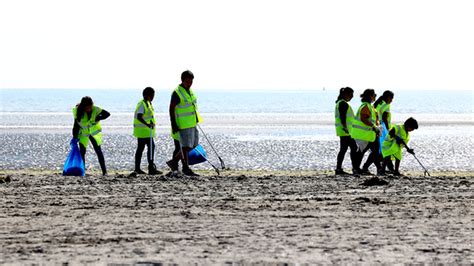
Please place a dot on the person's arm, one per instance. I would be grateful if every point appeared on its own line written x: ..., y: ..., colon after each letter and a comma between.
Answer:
x: 365, y: 116
x: 140, y: 112
x: 342, y: 113
x: 75, y: 130
x: 102, y: 115
x: 174, y: 101
x: 385, y: 119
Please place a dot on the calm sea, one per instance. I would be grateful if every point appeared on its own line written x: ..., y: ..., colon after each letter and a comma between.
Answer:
x: 405, y: 102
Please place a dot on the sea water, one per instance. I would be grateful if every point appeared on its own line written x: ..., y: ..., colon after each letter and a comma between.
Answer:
x: 250, y: 129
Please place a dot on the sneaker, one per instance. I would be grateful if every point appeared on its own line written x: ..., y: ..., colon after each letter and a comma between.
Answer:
x: 139, y: 171
x: 189, y: 172
x: 172, y: 164
x: 341, y: 172
x: 365, y: 172
x: 397, y: 173
x: 389, y: 172
x: 153, y: 171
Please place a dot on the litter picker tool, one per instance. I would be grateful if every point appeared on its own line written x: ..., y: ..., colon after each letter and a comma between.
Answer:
x: 413, y: 153
x: 212, y: 147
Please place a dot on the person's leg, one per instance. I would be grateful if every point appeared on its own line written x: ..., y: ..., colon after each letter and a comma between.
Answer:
x: 397, y: 166
x: 188, y: 139
x: 83, y: 153
x: 100, y: 155
x: 390, y: 165
x: 174, y: 162
x: 344, y: 143
x: 354, y: 154
x: 141, y: 142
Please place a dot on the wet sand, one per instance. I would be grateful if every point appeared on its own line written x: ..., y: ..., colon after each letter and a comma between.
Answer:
x: 239, y: 217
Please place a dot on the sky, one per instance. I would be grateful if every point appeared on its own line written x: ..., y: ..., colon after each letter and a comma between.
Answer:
x: 237, y: 45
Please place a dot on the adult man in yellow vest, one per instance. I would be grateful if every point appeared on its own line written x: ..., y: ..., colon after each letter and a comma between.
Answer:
x: 184, y: 118
x: 144, y: 130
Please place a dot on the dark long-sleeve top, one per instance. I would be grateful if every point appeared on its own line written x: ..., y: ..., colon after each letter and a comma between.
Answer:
x: 101, y: 116
x: 343, y: 106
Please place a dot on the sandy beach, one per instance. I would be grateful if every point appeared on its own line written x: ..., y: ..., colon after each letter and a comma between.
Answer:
x: 240, y: 217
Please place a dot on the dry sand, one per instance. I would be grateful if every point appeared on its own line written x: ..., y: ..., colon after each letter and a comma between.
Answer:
x: 239, y: 217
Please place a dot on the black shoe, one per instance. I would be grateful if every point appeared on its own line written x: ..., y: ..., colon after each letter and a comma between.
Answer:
x: 381, y: 172
x: 389, y: 172
x: 139, y: 171
x: 172, y: 164
x: 365, y: 172
x: 356, y: 172
x: 189, y: 172
x: 153, y: 171
x: 341, y: 172
x: 396, y: 173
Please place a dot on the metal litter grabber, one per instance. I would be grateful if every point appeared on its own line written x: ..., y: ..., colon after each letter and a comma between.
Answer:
x: 212, y: 147
x: 413, y: 153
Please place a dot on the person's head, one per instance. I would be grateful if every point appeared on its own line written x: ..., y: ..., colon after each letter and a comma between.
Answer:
x: 187, y: 78
x: 387, y: 96
x: 410, y: 124
x: 368, y: 96
x: 346, y: 94
x: 148, y: 94
x: 86, y: 104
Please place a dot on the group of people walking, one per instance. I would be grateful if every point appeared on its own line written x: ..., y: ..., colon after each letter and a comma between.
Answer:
x: 184, y: 117
x: 365, y: 130
x: 370, y: 128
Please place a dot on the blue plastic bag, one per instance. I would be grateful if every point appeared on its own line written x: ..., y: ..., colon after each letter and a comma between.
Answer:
x: 197, y: 155
x: 383, y: 134
x: 74, y: 166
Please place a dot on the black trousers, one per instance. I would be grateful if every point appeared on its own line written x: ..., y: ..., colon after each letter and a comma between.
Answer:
x: 374, y: 156
x: 142, y: 142
x: 97, y: 150
x: 345, y: 143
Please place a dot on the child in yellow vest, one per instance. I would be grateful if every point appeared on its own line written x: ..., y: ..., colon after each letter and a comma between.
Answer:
x: 144, y: 130
x: 398, y: 137
x: 87, y: 128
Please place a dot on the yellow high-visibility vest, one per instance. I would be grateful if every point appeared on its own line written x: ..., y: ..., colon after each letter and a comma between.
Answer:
x: 390, y: 147
x: 349, y: 118
x: 382, y: 108
x: 360, y: 130
x: 141, y: 130
x: 88, y: 126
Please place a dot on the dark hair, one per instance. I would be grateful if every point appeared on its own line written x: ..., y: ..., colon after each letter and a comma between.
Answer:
x: 187, y: 74
x: 148, y: 91
x: 411, y: 122
x: 344, y: 91
x: 385, y: 96
x: 85, y: 101
x: 365, y: 96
